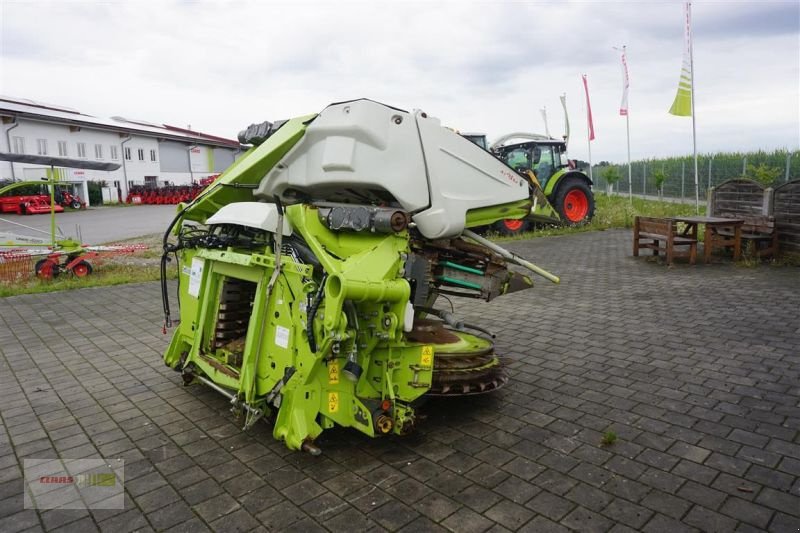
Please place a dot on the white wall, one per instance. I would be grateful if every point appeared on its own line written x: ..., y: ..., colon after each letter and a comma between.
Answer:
x: 134, y: 168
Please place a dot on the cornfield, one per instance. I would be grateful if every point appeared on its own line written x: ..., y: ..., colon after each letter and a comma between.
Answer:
x: 769, y: 168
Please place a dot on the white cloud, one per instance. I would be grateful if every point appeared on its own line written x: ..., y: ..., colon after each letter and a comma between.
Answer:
x: 477, y: 65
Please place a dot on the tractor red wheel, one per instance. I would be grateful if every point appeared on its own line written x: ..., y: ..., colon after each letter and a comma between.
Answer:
x: 574, y: 202
x: 47, y: 269
x: 82, y: 269
x: 511, y: 226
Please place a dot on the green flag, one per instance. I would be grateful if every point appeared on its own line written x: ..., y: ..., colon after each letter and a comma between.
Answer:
x: 682, y: 106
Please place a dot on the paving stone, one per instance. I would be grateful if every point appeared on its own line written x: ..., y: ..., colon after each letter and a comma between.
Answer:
x: 589, y: 497
x: 781, y: 501
x: 517, y: 490
x: 702, y: 495
x: 436, y: 507
x: 708, y: 520
x: 218, y: 506
x: 746, y: 511
x: 280, y: 516
x: 393, y: 515
x: 202, y: 491
x: 237, y: 521
x: 583, y: 519
x: 477, y: 498
x: 170, y: 515
x: 350, y: 520
x: 783, y: 522
x: 689, y: 451
x: 467, y: 521
x: 540, y: 524
x: 666, y: 503
x: 157, y: 499
x: 699, y: 415
x: 133, y: 520
x: 758, y: 475
x: 550, y: 505
x: 662, y: 524
x: 509, y: 514
x: 627, y: 513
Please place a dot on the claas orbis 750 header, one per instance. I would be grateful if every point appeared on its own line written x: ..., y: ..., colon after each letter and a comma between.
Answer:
x: 310, y: 270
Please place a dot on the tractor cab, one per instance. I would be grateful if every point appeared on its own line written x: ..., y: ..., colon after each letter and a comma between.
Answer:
x: 543, y: 158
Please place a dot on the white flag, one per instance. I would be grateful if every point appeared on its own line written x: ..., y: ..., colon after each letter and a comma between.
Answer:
x: 626, y: 83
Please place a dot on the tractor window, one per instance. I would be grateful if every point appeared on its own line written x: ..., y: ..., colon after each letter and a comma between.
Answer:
x: 546, y: 165
x: 519, y: 158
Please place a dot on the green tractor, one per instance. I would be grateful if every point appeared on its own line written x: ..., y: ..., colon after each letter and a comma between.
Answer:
x: 562, y: 193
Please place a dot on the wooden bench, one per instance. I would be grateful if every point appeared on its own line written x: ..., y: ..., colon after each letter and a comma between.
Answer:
x: 661, y: 236
x: 750, y: 201
x: 759, y: 230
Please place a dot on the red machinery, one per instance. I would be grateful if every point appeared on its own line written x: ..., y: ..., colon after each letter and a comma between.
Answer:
x: 31, y: 204
x: 169, y: 195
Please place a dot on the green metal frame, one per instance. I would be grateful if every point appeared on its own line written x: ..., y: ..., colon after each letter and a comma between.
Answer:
x: 69, y: 246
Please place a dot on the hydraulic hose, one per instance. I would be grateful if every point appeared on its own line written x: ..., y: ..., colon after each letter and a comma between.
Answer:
x: 312, y: 312
x: 167, y: 248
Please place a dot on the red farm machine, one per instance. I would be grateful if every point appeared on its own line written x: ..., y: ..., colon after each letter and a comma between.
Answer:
x: 167, y: 195
x: 49, y: 254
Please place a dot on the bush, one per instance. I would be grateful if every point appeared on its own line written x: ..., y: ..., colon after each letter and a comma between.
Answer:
x: 96, y: 192
x: 611, y: 175
x: 764, y: 174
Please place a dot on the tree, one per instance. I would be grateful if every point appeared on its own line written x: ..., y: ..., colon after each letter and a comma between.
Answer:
x: 612, y: 176
x: 659, y: 177
x: 763, y: 174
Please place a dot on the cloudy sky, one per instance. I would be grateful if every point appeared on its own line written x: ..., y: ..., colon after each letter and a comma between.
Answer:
x: 479, y: 66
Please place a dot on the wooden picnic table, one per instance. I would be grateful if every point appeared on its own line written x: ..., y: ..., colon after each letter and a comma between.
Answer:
x: 712, y: 238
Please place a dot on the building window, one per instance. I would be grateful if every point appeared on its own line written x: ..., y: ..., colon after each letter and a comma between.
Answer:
x: 19, y: 145
x: 62, y: 148
x: 98, y: 151
x: 141, y: 154
x: 41, y: 146
x: 114, y: 152
x: 82, y: 150
x: 128, y: 154
x: 153, y: 155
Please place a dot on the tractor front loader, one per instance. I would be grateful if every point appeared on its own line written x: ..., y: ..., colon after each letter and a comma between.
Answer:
x: 309, y: 272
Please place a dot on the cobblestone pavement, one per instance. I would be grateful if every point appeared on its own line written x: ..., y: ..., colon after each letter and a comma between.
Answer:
x: 694, y: 368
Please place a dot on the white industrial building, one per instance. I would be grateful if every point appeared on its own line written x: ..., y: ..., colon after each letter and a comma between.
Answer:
x: 148, y: 154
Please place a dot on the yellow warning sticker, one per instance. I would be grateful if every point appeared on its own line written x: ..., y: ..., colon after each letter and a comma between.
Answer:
x: 333, y: 402
x: 426, y: 359
x: 333, y: 372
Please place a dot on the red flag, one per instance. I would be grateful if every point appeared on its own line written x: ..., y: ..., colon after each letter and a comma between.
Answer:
x: 588, y: 109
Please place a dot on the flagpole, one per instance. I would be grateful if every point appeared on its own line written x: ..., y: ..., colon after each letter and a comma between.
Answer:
x: 624, y: 109
x: 544, y: 118
x: 589, y: 142
x: 694, y: 126
x: 630, y: 180
x: 628, y: 132
x: 589, y: 125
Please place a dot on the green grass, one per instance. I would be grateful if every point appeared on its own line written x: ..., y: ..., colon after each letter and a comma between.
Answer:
x: 104, y: 275
x: 609, y: 438
x: 613, y: 212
